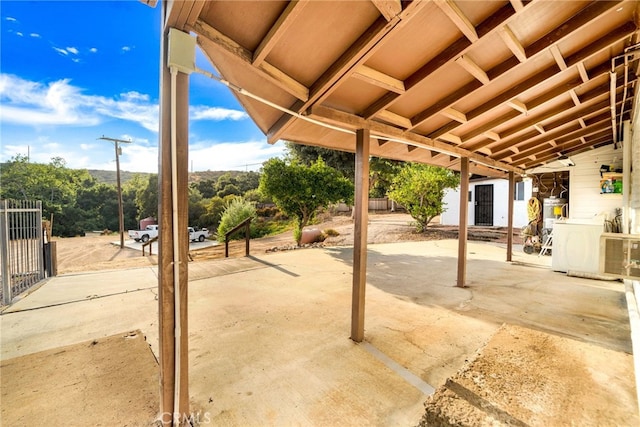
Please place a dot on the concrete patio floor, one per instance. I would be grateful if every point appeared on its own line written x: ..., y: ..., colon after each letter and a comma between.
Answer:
x: 269, y: 335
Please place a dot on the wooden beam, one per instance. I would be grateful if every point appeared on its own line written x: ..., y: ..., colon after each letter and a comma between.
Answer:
x: 518, y: 106
x: 454, y: 114
x: 276, y: 76
x: 492, y: 135
x: 284, y: 21
x: 620, y: 33
x: 512, y: 42
x: 539, y: 128
x: 172, y: 302
x: 517, y: 5
x: 582, y: 123
x: 356, y: 55
x: 557, y: 56
x: 472, y: 68
x: 583, y: 72
x: 451, y: 138
x: 394, y: 118
x: 574, y: 97
x: 463, y: 221
x: 351, y: 121
x: 577, y: 21
x: 379, y: 79
x: 388, y: 8
x: 458, y: 18
x: 511, y: 196
x: 496, y: 101
x: 447, y: 56
x: 581, y: 19
x: 560, y: 142
x: 361, y: 210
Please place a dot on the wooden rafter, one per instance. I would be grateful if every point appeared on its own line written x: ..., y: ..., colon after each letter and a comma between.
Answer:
x: 456, y: 16
x: 333, y: 116
x: 472, y: 68
x: 288, y: 16
x: 394, y: 118
x: 447, y: 56
x: 273, y: 74
x: 351, y: 59
x: 517, y: 5
x: 518, y: 106
x: 595, y: 72
x: 379, y: 79
x: 557, y: 56
x: 572, y: 25
x: 388, y: 8
x: 536, y: 79
x: 454, y: 114
x: 512, y: 42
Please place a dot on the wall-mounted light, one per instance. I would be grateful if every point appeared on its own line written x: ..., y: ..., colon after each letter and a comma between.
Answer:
x: 566, y: 161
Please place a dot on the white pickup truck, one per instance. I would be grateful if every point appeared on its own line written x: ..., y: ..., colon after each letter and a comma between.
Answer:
x: 198, y: 235
x: 149, y: 232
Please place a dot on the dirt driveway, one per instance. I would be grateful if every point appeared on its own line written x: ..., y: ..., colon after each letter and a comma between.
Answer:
x: 95, y: 252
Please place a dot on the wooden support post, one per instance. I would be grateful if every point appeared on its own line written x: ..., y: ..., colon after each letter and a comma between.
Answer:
x: 169, y: 369
x: 462, y: 233
x: 511, y: 195
x: 247, y: 237
x: 361, y: 212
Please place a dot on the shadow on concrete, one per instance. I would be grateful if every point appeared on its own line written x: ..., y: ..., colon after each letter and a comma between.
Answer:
x: 499, y: 292
x: 275, y: 266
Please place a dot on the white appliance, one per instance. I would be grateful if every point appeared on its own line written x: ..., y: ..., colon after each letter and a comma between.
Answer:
x: 576, y: 246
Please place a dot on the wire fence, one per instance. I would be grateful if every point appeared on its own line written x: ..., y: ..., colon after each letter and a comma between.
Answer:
x: 21, y: 247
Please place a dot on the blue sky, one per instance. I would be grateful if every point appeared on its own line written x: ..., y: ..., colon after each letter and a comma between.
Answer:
x: 73, y: 71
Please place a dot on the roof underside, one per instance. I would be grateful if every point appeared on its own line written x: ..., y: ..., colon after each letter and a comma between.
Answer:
x: 510, y: 84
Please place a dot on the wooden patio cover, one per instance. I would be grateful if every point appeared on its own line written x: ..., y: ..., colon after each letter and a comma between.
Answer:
x: 487, y: 87
x: 509, y: 84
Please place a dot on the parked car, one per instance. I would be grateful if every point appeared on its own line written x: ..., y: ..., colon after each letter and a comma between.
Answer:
x: 198, y: 235
x: 149, y: 232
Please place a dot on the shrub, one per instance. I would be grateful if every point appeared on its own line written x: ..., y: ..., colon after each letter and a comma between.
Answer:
x: 331, y: 232
x: 236, y: 211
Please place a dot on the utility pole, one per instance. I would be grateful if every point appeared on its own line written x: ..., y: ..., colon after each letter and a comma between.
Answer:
x: 120, y: 209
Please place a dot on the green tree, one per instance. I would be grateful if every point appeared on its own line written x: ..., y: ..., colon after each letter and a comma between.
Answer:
x: 420, y: 189
x: 53, y: 184
x: 342, y: 161
x: 299, y: 191
x: 236, y: 211
x: 381, y: 175
x: 145, y: 190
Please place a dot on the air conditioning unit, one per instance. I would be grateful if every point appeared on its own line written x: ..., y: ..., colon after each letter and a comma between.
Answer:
x: 620, y: 255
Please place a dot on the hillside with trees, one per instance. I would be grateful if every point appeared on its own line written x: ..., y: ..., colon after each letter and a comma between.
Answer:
x: 294, y: 188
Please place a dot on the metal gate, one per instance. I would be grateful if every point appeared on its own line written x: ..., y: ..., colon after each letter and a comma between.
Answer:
x: 484, y: 204
x: 21, y: 247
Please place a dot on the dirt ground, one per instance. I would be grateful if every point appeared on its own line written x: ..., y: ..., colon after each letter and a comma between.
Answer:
x: 434, y: 343
x: 95, y: 252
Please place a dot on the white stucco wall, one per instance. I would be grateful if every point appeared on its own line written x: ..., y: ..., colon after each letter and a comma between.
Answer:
x: 451, y: 215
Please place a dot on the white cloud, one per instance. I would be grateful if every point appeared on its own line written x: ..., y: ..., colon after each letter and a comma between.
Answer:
x: 126, y: 48
x: 61, y: 51
x: 216, y: 113
x: 60, y: 103
x: 76, y: 60
x: 19, y: 33
x: 35, y: 35
x: 10, y: 18
x: 247, y: 155
x: 93, y: 50
x: 72, y: 50
x: 32, y: 103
